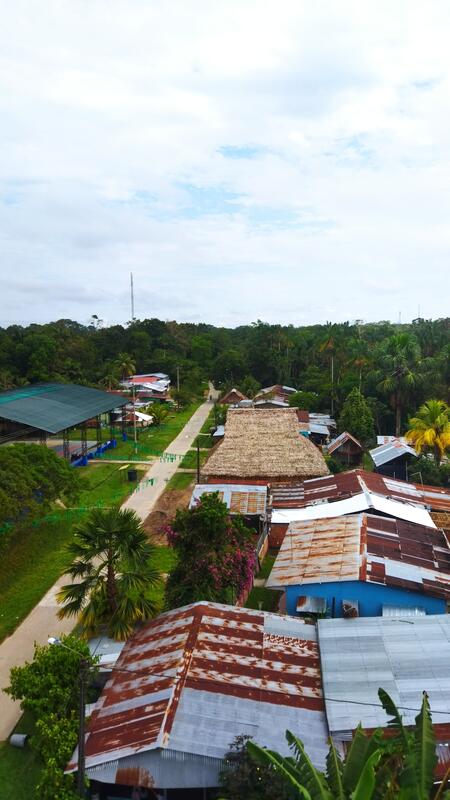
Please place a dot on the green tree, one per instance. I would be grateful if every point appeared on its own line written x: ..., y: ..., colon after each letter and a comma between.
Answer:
x: 32, y: 477
x: 399, y: 359
x: 430, y: 429
x: 356, y: 417
x: 215, y: 554
x: 243, y: 779
x: 124, y: 365
x: 112, y: 566
x: 48, y: 688
x: 249, y: 386
x: 159, y: 412
x: 375, y: 768
x: 304, y: 400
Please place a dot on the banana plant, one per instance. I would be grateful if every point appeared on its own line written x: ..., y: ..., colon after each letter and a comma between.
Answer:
x: 400, y: 766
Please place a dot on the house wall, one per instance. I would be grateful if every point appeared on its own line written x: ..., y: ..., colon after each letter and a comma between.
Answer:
x: 370, y: 596
x: 277, y: 533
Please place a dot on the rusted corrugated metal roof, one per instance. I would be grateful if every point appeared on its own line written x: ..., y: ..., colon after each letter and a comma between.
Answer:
x: 346, y: 484
x: 239, y: 498
x: 364, y: 547
x: 342, y: 439
x: 200, y: 655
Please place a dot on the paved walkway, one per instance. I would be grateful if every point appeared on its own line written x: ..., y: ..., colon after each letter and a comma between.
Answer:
x: 42, y: 621
x: 143, y: 501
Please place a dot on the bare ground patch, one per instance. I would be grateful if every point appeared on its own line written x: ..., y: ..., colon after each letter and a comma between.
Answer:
x: 164, y: 512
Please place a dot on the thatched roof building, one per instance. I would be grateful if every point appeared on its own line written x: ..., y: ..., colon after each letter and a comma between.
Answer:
x: 264, y: 443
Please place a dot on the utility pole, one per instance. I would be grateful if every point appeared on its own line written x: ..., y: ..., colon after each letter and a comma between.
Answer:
x: 132, y: 296
x: 198, y: 461
x: 178, y: 379
x: 84, y: 665
x: 134, y: 420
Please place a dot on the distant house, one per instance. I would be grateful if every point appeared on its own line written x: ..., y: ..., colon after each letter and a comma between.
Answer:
x: 393, y: 459
x: 263, y: 445
x: 276, y: 396
x: 361, y: 563
x: 346, y: 449
x: 191, y: 680
x: 232, y: 398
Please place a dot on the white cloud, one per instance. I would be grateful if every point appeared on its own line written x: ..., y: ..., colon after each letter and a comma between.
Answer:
x: 119, y: 121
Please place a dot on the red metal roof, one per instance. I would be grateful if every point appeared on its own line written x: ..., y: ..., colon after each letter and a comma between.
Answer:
x: 367, y: 547
x: 207, y: 647
x: 342, y: 439
x: 347, y: 484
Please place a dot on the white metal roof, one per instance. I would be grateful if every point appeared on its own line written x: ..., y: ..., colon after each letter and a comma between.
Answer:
x: 353, y: 505
x: 390, y: 451
x: 314, y: 427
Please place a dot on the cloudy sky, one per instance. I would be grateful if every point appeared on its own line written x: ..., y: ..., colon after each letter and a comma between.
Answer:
x: 285, y: 160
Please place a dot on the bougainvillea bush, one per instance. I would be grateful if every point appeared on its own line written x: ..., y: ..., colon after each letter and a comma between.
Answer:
x: 216, y: 555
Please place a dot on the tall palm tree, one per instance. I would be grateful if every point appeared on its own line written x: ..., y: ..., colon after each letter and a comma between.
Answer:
x: 125, y: 366
x: 430, y: 429
x: 399, y: 371
x: 112, y: 571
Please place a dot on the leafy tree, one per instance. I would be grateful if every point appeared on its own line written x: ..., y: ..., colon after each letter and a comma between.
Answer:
x: 356, y: 417
x: 215, y: 554
x: 48, y: 688
x: 430, y: 429
x: 304, y: 400
x: 244, y: 779
x: 159, y: 412
x: 375, y: 768
x: 112, y: 566
x: 182, y: 397
x: 249, y: 386
x: 31, y: 478
x: 399, y: 373
x: 124, y: 365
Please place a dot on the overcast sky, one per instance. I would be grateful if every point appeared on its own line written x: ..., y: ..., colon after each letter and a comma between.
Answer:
x: 288, y: 161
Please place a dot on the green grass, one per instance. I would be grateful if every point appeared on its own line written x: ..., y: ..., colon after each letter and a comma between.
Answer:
x: 189, y: 461
x: 267, y: 597
x: 106, y: 483
x: 267, y: 566
x: 19, y: 772
x: 367, y: 462
x: 181, y: 480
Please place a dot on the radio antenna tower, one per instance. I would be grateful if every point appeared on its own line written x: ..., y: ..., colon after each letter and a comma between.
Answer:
x: 132, y: 296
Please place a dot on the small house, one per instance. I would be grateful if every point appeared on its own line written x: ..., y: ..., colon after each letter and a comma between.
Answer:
x: 232, y: 398
x: 393, y: 459
x: 361, y: 563
x: 346, y: 449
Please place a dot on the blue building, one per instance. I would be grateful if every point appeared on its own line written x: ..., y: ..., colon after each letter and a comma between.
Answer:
x: 360, y: 564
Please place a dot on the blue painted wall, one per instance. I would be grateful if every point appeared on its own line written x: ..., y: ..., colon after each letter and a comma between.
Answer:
x: 370, y: 596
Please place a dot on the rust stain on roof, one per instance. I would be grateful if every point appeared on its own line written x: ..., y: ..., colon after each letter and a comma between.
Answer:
x: 205, y: 647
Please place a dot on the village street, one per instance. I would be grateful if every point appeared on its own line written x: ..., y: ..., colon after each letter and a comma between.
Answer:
x: 42, y: 622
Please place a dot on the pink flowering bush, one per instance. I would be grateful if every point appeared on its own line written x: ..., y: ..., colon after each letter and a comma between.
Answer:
x: 216, y: 557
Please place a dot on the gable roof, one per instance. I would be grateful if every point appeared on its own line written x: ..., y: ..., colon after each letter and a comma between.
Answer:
x: 347, y: 484
x: 53, y: 407
x: 390, y: 451
x: 365, y: 501
x: 364, y: 547
x: 233, y: 396
x: 194, y: 678
x: 341, y: 440
x: 264, y: 443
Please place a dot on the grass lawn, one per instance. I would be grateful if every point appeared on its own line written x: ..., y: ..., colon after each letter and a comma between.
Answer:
x: 189, y: 461
x: 267, y: 565
x: 19, y: 772
x: 181, y: 480
x: 106, y: 483
x: 268, y: 598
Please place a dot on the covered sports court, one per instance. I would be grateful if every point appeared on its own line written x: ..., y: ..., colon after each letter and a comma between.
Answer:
x: 47, y: 412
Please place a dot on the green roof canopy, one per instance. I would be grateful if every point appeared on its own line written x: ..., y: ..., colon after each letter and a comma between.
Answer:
x: 52, y: 407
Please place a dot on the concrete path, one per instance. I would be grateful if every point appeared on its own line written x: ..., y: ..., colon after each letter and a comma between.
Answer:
x: 42, y: 622
x: 143, y: 501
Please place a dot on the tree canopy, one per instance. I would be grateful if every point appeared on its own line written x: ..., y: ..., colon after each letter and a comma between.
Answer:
x: 356, y: 417
x: 215, y: 554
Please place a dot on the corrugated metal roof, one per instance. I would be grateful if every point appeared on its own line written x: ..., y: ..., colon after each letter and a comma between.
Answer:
x: 194, y: 678
x: 342, y: 439
x: 314, y: 427
x: 390, y: 451
x: 404, y: 656
x: 388, y: 439
x: 346, y: 484
x: 351, y: 505
x: 239, y: 498
x: 364, y: 547
x: 53, y: 407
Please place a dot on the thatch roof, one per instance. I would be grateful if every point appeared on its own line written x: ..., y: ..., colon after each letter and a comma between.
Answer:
x: 264, y: 443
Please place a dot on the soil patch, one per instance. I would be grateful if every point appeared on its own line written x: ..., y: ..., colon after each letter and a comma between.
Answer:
x: 165, y: 511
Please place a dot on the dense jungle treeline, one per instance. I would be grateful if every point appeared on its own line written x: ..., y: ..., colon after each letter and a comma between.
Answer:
x: 396, y: 367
